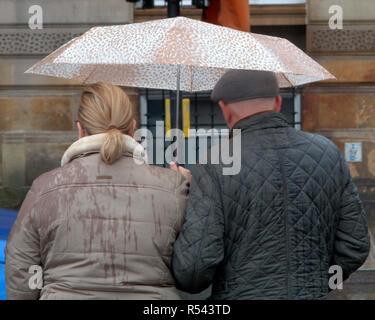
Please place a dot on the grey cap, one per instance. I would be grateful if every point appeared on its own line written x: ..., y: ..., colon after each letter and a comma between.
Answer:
x: 240, y: 85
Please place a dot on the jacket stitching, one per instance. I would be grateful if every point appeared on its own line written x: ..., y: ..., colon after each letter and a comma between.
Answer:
x: 88, y: 185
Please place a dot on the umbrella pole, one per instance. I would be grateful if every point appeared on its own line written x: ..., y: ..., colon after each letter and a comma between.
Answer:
x: 178, y: 98
x: 178, y: 103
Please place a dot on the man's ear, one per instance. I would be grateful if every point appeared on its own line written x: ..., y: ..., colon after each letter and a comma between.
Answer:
x: 81, y: 131
x: 226, y: 112
x: 278, y: 103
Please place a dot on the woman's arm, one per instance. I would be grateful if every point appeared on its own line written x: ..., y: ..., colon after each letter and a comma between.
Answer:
x: 22, y: 255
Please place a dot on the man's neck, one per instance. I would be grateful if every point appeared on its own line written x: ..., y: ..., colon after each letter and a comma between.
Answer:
x: 248, y: 116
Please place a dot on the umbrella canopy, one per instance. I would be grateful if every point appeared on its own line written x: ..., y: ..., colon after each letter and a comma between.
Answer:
x: 155, y: 54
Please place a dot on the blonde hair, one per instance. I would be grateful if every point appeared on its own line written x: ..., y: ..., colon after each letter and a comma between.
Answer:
x: 105, y: 108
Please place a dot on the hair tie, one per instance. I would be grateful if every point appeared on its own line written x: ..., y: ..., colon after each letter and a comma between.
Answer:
x: 111, y: 127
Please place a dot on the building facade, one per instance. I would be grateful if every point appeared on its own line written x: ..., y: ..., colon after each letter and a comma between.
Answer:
x: 344, y: 110
x: 37, y: 113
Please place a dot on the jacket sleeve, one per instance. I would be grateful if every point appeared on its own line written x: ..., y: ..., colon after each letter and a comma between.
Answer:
x: 352, y: 240
x: 199, y: 248
x: 22, y: 252
x: 182, y: 193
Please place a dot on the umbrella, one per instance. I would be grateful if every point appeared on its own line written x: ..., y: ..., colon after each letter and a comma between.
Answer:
x: 176, y: 54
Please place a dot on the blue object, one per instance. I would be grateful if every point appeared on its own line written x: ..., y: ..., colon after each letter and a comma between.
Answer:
x: 3, y: 242
x: 7, y: 218
x: 2, y: 282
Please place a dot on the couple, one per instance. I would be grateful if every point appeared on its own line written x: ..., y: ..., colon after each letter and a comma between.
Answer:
x: 104, y: 226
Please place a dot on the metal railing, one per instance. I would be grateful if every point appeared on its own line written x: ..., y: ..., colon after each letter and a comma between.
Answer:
x: 203, y: 113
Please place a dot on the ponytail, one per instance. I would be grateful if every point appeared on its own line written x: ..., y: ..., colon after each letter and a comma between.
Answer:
x: 113, y: 146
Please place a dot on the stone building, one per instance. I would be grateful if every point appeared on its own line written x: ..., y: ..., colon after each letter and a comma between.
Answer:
x: 344, y: 110
x: 37, y: 113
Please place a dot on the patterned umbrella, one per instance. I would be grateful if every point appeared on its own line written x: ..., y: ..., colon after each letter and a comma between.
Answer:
x: 176, y: 52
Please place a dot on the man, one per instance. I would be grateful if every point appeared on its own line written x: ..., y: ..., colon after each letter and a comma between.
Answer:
x: 274, y: 230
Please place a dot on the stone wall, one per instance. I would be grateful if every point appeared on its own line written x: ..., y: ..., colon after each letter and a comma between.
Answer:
x: 37, y: 113
x: 343, y: 110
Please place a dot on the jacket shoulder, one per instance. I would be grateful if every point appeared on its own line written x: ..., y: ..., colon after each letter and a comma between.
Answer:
x: 166, y: 177
x: 318, y: 140
x: 69, y: 173
x: 81, y: 171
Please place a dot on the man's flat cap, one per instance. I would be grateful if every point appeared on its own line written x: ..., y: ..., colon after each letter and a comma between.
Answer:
x: 240, y: 85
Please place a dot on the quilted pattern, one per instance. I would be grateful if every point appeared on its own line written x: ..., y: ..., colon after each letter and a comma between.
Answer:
x: 273, y: 230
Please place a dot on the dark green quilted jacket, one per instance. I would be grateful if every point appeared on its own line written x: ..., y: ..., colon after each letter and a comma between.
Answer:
x: 273, y: 230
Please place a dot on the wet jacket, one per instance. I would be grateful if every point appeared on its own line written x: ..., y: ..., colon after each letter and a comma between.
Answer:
x: 273, y: 230
x: 97, y: 231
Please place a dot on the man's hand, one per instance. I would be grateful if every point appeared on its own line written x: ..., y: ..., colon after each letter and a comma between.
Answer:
x: 182, y: 170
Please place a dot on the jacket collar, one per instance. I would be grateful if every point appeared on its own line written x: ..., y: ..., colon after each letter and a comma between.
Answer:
x: 92, y: 144
x: 260, y: 121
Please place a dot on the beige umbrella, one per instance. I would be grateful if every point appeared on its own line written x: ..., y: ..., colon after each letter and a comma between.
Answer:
x: 148, y: 55
x: 176, y: 53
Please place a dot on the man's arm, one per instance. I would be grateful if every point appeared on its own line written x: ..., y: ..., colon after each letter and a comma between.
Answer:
x: 352, y: 241
x: 22, y: 252
x: 199, y: 248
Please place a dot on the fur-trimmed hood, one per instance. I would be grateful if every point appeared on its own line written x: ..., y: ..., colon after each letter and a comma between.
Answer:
x: 93, y: 143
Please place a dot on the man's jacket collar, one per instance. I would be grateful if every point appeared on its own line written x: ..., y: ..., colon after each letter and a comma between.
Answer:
x: 260, y: 121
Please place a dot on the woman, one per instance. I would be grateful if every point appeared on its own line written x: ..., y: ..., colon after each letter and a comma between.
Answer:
x: 103, y: 225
